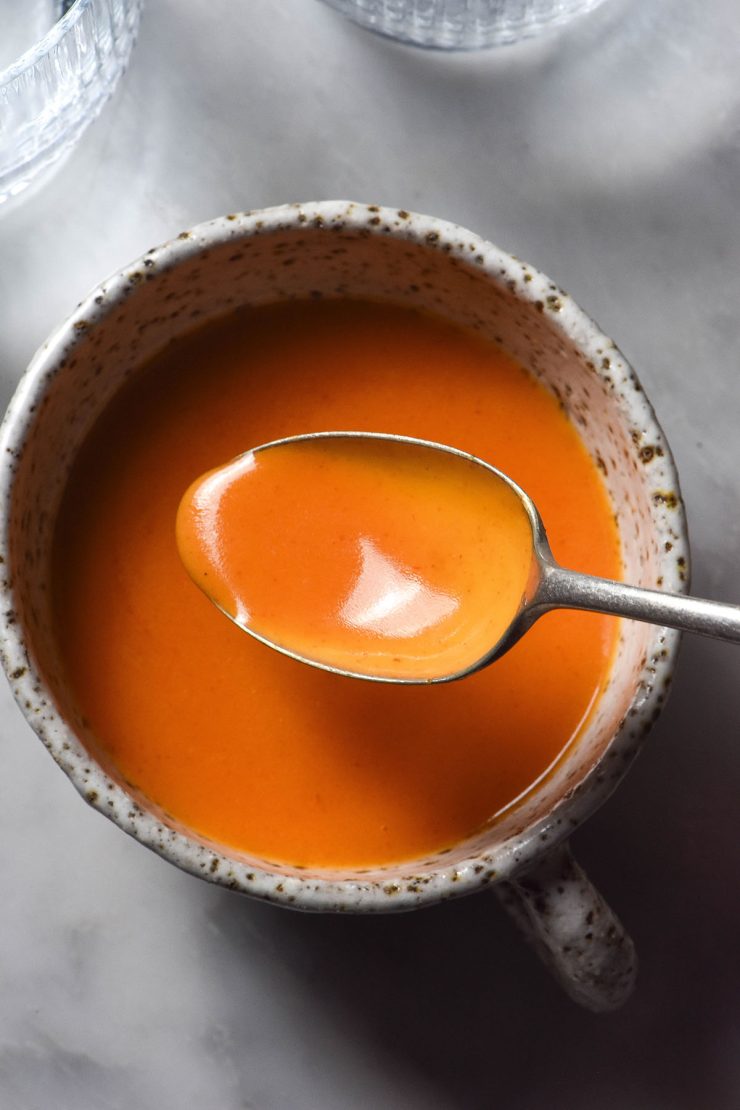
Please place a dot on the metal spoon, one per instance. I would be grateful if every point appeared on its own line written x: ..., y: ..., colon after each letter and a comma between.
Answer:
x: 549, y: 586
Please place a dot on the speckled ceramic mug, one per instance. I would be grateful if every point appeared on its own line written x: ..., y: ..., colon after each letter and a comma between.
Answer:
x: 336, y: 249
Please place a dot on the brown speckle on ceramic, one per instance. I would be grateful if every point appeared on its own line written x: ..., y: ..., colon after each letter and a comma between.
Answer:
x: 330, y: 249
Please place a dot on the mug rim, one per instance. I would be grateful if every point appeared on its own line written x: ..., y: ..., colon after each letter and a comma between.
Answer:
x: 401, y: 887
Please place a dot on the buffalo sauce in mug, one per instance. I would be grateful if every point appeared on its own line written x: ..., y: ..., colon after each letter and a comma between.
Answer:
x: 246, y: 746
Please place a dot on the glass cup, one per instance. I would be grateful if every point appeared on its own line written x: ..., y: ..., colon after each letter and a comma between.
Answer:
x: 50, y: 94
x: 461, y: 24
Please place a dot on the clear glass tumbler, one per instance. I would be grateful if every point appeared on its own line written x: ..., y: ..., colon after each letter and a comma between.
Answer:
x: 55, y: 88
x: 461, y: 24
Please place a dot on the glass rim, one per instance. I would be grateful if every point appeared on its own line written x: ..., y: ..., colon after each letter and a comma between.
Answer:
x: 45, y: 44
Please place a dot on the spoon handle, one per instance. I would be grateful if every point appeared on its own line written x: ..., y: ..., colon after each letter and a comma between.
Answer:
x: 569, y: 589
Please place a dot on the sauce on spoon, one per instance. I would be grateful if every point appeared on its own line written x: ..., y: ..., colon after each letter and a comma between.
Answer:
x: 361, y: 555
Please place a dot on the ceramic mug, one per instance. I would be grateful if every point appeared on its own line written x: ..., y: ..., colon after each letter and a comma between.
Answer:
x: 336, y: 249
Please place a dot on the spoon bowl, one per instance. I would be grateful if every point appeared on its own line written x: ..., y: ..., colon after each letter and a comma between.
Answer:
x: 440, y: 562
x: 397, y: 602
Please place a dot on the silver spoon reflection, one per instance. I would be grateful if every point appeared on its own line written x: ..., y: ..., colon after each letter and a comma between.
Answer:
x: 392, y: 559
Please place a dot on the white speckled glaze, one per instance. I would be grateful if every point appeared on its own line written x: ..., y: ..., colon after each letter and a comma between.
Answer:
x: 335, y: 249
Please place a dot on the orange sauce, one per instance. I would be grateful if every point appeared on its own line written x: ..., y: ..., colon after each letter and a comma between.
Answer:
x: 251, y: 748
x: 376, y: 557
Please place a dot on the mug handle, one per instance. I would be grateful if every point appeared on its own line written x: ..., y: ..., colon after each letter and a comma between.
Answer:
x: 573, y: 930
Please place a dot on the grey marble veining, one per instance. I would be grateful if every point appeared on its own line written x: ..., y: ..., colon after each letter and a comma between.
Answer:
x: 610, y: 157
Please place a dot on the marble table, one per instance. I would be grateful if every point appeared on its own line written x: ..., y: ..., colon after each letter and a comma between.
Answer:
x: 608, y: 155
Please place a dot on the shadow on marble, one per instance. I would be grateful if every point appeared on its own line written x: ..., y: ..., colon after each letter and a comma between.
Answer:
x: 451, y: 994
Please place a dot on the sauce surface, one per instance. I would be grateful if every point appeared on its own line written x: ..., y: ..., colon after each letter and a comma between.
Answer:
x: 251, y: 748
x: 376, y: 557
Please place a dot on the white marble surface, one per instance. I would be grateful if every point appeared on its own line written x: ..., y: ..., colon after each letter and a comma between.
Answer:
x: 610, y: 157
